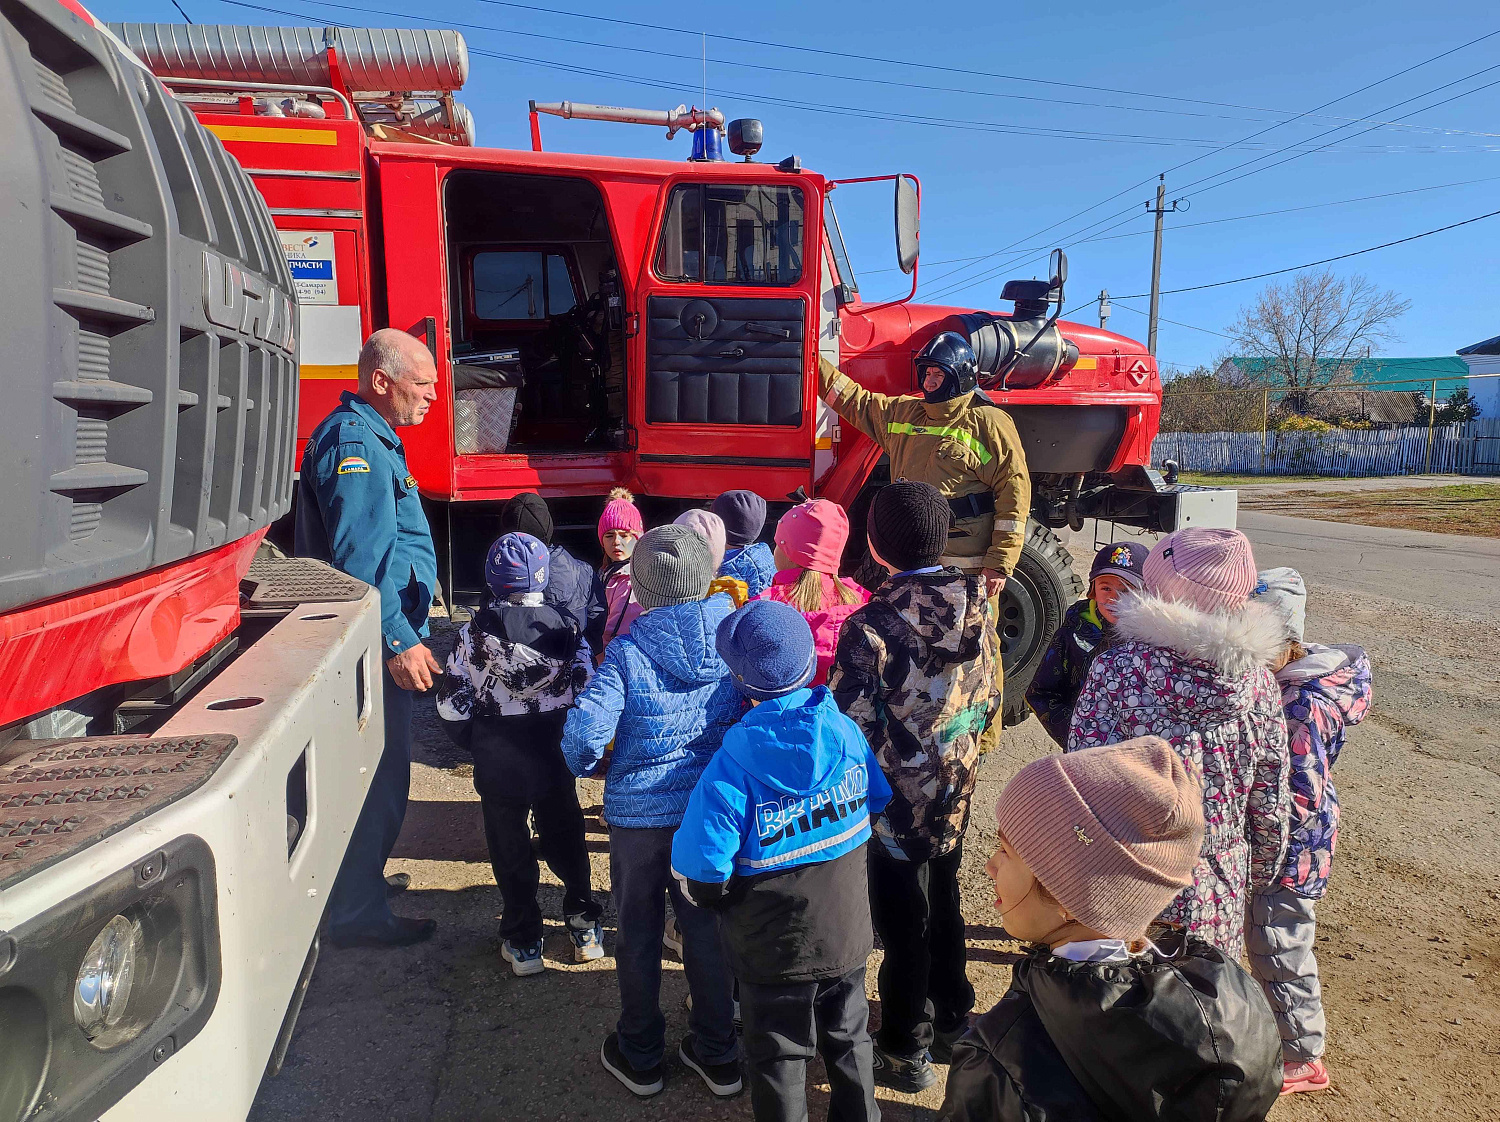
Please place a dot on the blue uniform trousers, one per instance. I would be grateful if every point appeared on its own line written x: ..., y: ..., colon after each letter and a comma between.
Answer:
x: 358, y: 903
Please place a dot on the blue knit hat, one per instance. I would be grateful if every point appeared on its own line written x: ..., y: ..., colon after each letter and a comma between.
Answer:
x: 768, y: 648
x: 516, y: 563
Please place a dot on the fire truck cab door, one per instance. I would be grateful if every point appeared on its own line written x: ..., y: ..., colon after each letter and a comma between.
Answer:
x: 727, y: 346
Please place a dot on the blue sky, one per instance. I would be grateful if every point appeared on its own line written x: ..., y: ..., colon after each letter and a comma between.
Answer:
x: 1008, y: 164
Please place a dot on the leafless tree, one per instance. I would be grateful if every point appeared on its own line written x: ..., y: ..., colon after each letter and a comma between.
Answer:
x: 1308, y: 334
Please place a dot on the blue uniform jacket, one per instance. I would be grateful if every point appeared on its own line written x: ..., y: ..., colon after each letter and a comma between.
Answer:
x: 753, y: 564
x: 358, y: 509
x: 794, y: 784
x: 664, y: 697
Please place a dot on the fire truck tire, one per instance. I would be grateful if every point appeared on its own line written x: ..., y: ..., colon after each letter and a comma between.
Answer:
x: 1037, y: 594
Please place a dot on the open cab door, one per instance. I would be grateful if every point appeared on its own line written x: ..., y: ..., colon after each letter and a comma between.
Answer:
x: 727, y: 350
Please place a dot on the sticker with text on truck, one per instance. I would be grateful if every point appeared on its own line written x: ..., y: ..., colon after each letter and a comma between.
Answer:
x: 309, y: 255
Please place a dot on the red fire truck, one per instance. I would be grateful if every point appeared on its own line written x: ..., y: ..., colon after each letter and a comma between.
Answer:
x: 187, y: 729
x: 600, y: 321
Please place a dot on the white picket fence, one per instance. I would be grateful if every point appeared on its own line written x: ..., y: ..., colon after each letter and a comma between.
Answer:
x: 1472, y: 448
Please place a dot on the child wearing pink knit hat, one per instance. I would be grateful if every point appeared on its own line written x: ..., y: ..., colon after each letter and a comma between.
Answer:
x: 1190, y: 664
x: 620, y: 527
x: 810, y: 542
x: 1099, y: 1022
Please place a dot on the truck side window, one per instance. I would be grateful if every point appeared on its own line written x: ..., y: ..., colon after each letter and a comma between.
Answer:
x: 521, y: 284
x: 730, y: 233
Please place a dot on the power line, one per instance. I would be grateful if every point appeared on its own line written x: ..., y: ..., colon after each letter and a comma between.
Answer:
x: 908, y: 64
x: 991, y: 273
x: 1164, y: 319
x: 968, y: 92
x: 928, y: 121
x: 1340, y: 128
x: 1362, y: 89
x: 1313, y: 264
x: 1219, y: 221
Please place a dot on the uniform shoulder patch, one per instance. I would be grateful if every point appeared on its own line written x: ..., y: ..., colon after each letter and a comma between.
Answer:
x: 354, y: 465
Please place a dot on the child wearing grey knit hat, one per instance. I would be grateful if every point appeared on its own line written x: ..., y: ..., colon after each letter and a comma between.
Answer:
x: 671, y: 565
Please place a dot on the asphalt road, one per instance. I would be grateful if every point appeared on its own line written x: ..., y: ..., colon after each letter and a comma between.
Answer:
x: 1446, y: 571
x: 1409, y: 935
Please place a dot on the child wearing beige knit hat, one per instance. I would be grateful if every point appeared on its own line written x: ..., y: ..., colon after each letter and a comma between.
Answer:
x: 1099, y: 1022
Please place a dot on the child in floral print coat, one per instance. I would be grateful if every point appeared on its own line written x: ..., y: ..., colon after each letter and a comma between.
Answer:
x: 1191, y: 666
x: 1324, y: 690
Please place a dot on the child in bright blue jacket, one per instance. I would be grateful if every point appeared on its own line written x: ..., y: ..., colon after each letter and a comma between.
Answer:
x: 774, y: 839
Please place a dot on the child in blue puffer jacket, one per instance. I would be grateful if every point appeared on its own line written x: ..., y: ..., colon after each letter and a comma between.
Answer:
x: 747, y: 559
x: 774, y: 838
x: 665, y: 699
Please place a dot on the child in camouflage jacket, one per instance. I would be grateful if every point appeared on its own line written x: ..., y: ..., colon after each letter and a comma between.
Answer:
x: 914, y: 668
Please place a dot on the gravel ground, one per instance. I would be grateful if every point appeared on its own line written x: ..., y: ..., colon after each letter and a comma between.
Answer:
x: 1409, y: 934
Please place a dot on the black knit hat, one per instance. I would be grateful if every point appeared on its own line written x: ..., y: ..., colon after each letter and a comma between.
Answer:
x: 908, y: 524
x: 527, y: 513
x: 744, y: 515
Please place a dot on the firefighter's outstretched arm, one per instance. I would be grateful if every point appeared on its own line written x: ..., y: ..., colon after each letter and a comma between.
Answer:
x: 864, y: 409
x: 1007, y: 477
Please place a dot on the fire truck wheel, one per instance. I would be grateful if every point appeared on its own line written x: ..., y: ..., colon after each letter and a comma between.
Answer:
x: 1037, y: 594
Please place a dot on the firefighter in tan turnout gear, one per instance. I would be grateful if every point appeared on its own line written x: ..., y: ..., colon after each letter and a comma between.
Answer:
x: 952, y: 438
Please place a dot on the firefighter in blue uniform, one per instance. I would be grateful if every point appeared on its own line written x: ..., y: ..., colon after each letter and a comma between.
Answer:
x: 358, y: 509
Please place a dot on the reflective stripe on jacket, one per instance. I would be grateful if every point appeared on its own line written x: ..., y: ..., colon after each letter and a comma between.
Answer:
x: 959, y: 447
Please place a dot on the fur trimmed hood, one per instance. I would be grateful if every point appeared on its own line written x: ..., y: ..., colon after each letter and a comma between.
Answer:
x: 1234, y: 643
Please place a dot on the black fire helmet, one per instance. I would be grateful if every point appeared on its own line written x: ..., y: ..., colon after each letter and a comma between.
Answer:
x: 949, y: 352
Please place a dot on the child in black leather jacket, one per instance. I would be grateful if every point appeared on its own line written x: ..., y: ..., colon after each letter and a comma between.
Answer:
x: 1099, y: 1023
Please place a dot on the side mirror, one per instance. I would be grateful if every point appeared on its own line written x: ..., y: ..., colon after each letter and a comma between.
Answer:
x: 908, y: 223
x: 1058, y: 268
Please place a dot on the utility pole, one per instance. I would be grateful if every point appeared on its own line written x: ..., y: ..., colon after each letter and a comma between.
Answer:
x: 1159, y: 209
x: 1104, y: 308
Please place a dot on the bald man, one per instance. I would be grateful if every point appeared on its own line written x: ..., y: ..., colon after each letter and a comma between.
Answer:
x: 358, y: 509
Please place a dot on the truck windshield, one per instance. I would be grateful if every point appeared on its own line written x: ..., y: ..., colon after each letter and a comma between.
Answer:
x: 836, y: 243
x: 732, y: 233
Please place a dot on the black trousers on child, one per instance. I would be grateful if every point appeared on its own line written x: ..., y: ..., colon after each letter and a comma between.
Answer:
x: 519, y: 771
x: 924, y: 982
x: 786, y: 1024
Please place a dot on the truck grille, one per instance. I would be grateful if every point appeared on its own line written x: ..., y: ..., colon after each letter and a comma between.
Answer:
x: 145, y: 431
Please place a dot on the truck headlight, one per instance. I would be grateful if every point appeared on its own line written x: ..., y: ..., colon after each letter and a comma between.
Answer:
x: 101, y: 990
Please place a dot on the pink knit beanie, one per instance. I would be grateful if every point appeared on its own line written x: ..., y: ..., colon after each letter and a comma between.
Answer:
x: 813, y: 535
x: 1211, y: 570
x: 708, y: 526
x: 620, y: 513
x: 1112, y: 833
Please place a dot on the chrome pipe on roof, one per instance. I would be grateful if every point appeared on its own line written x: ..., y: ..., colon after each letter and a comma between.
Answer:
x: 671, y: 119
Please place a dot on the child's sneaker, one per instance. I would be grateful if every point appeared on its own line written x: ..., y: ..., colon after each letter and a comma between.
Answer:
x: 641, y: 1083
x: 722, y: 1079
x: 588, y: 938
x: 908, y: 1074
x: 1303, y: 1077
x: 524, y: 959
x: 671, y: 937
